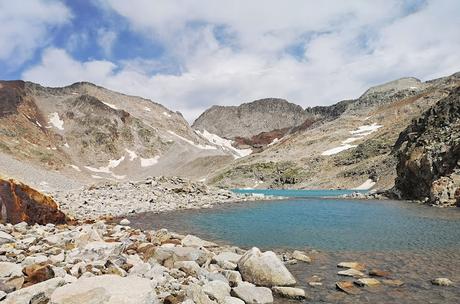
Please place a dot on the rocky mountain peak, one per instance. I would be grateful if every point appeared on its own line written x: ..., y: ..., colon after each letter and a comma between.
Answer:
x: 249, y: 119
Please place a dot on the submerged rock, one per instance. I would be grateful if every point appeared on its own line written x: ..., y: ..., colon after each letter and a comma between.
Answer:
x: 442, y: 282
x: 264, y: 269
x: 347, y: 287
x: 367, y: 282
x: 20, y: 203
x: 290, y: 292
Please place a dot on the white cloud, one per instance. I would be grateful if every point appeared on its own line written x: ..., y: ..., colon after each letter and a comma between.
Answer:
x: 106, y: 39
x: 228, y: 52
x: 25, y: 25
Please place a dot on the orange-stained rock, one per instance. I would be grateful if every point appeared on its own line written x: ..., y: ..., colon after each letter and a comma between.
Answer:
x: 20, y: 203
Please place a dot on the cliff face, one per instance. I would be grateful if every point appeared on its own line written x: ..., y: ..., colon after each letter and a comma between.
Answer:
x: 428, y: 154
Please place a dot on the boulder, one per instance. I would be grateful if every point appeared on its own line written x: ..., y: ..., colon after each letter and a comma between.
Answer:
x: 289, y: 292
x: 20, y: 203
x: 251, y: 294
x: 195, y: 292
x: 232, y: 300
x: 8, y: 269
x: 6, y: 238
x: 27, y: 294
x: 224, y: 257
x: 264, y: 269
x: 108, y: 289
x: 175, y: 254
x: 300, y: 256
x: 217, y: 290
x: 194, y: 241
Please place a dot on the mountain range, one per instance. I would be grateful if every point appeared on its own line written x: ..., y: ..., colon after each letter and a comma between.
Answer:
x: 65, y: 138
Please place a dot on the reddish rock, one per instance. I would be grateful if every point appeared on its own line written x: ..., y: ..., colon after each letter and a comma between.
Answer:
x: 20, y: 203
x: 39, y: 274
x: 347, y: 287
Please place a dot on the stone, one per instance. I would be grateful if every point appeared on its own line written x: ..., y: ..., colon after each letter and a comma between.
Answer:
x: 40, y: 274
x: 379, y: 273
x: 232, y: 300
x: 180, y: 254
x: 8, y: 269
x: 196, y: 293
x: 2, y: 295
x: 442, y: 282
x: 369, y: 282
x: 347, y: 287
x: 223, y: 257
x: 352, y: 265
x: 289, y: 292
x: 25, y: 295
x: 393, y: 283
x: 315, y: 284
x: 233, y: 277
x: 15, y: 283
x: 125, y: 222
x: 264, y: 269
x: 37, y: 259
x: 351, y: 273
x: 251, y: 294
x: 109, y: 289
x: 98, y: 250
x: 300, y: 256
x: 21, y: 203
x: 191, y: 268
x: 194, y: 241
x: 217, y: 290
x: 6, y: 238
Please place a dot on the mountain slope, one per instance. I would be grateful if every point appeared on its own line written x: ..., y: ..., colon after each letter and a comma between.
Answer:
x: 352, y: 150
x: 86, y: 133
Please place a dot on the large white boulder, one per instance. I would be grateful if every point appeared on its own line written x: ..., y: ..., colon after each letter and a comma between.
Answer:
x: 264, y: 269
x: 107, y: 289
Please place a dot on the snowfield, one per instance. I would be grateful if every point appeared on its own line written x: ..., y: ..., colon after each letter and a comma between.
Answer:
x: 225, y: 144
x: 56, y: 121
x: 358, y: 134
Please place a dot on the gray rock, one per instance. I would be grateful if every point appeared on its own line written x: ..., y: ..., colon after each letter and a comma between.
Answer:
x: 8, y: 269
x: 6, y: 238
x: 217, y: 290
x: 251, y: 294
x: 125, y: 222
x: 300, y: 256
x: 110, y: 289
x: 232, y: 300
x: 264, y: 269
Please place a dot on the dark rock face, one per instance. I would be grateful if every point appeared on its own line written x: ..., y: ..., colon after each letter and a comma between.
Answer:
x: 20, y: 203
x: 429, y: 155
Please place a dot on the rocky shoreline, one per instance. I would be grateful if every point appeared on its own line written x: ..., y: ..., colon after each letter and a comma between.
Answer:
x: 98, y: 259
x: 154, y: 194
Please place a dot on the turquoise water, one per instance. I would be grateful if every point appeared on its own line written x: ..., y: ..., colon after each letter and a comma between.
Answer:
x: 298, y: 193
x: 325, y: 224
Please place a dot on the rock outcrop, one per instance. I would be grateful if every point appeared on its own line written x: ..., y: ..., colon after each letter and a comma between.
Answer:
x: 429, y: 155
x: 20, y: 203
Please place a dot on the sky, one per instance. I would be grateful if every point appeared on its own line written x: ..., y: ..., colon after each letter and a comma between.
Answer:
x: 191, y: 54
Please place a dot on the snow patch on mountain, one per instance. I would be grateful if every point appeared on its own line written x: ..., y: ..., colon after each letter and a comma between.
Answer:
x: 148, y: 162
x: 225, y: 144
x: 56, y: 121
